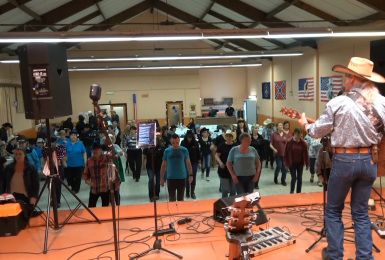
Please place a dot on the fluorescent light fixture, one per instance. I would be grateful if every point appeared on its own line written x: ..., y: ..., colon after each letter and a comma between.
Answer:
x: 268, y: 33
x: 209, y: 66
x: 239, y: 55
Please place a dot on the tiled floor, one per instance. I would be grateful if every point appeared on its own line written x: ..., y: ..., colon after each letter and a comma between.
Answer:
x: 137, y: 192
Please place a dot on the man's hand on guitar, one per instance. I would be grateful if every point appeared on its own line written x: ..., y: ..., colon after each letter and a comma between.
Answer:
x: 303, y: 120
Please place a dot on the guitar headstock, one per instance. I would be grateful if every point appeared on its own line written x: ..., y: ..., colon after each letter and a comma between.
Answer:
x: 290, y: 112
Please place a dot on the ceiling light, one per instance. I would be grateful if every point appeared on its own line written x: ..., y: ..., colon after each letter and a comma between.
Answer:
x: 110, y: 36
x: 239, y: 55
x: 209, y: 66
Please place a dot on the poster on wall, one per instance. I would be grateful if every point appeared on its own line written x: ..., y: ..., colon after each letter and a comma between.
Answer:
x: 265, y: 90
x: 330, y: 86
x: 280, y: 89
x: 306, y: 89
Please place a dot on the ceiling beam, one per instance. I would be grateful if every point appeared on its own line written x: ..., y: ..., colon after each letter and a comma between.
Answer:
x: 122, y: 16
x: 9, y: 6
x: 253, y: 13
x: 378, y: 5
x: 188, y: 18
x: 319, y: 13
x: 55, y: 15
x: 30, y: 12
x: 80, y: 21
x: 242, y: 26
x: 258, y: 16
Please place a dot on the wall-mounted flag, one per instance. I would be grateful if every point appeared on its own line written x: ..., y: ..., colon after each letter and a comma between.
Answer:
x: 280, y: 89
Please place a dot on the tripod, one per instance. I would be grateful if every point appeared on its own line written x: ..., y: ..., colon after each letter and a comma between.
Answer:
x: 322, y: 232
x: 157, y: 246
x: 50, y: 183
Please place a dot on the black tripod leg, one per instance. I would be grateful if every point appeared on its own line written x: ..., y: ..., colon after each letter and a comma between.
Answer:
x: 80, y: 201
x: 314, y: 244
x: 376, y: 248
x: 45, y: 250
x: 172, y: 253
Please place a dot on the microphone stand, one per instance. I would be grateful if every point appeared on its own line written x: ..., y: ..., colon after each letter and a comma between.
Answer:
x: 95, y: 93
x: 157, y: 246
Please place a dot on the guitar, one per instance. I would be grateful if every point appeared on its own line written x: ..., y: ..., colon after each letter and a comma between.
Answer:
x: 294, y: 114
x: 238, y: 227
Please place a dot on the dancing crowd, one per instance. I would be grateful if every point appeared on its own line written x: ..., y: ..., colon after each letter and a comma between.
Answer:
x: 239, y: 153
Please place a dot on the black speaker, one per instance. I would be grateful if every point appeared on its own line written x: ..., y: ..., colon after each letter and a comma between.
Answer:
x: 220, y: 212
x: 44, y: 80
x: 377, y: 55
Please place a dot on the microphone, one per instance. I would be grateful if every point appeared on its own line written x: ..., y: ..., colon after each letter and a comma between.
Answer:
x: 95, y: 92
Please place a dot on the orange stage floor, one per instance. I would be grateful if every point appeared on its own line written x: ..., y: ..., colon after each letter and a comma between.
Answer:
x: 83, y: 233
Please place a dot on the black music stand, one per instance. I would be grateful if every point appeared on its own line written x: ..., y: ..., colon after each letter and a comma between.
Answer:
x: 51, y: 181
x: 157, y: 246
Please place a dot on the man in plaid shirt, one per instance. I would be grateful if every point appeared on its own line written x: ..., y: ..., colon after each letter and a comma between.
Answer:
x: 95, y: 175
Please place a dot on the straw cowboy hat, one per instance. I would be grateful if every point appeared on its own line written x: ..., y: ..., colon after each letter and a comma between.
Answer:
x: 267, y: 122
x: 230, y: 133
x: 360, y: 67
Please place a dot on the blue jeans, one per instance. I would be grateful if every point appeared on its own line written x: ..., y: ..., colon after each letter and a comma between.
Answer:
x: 245, y: 185
x: 151, y: 176
x: 280, y: 167
x: 190, y: 188
x: 296, y: 177
x: 206, y: 163
x: 355, y: 172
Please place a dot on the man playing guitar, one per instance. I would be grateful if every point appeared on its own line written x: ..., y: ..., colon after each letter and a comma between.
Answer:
x: 355, y: 122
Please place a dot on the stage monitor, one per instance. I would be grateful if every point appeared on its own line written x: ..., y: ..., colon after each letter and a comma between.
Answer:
x: 146, y: 134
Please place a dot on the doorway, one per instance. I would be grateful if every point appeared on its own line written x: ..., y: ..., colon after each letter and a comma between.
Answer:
x: 174, y: 112
x: 121, y: 111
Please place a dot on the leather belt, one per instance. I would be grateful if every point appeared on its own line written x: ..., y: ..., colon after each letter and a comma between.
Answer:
x: 354, y: 150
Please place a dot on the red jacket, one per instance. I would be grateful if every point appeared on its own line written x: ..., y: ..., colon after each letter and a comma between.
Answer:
x: 296, y: 152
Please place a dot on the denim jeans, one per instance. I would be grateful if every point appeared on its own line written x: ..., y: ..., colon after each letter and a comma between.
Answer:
x: 244, y: 185
x: 280, y: 167
x: 227, y: 187
x: 296, y: 177
x: 151, y: 176
x: 191, y: 187
x: 206, y: 163
x: 355, y: 172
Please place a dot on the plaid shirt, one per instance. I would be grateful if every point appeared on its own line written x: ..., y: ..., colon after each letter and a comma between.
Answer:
x: 95, y: 174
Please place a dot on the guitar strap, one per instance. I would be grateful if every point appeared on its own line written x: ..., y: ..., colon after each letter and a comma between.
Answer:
x: 370, y: 111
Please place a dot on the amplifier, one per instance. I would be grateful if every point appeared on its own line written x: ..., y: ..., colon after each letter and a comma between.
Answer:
x: 11, y: 219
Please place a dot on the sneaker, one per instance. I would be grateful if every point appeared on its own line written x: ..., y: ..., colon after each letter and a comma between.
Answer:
x: 275, y: 181
x: 312, y: 178
x: 319, y: 184
x: 284, y: 183
x: 187, y: 195
x: 257, y: 187
x: 207, y: 179
x: 36, y: 213
x: 193, y: 196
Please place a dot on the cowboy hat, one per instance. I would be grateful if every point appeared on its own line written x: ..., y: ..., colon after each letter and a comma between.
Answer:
x: 267, y: 122
x: 360, y: 67
x: 231, y: 133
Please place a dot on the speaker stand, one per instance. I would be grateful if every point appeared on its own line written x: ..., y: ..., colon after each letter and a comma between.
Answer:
x: 50, y: 183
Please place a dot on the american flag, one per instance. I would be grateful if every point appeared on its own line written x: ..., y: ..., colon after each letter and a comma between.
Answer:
x: 330, y: 86
x: 280, y: 89
x: 306, y: 89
